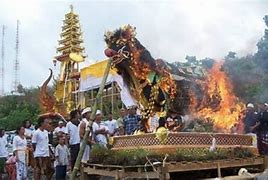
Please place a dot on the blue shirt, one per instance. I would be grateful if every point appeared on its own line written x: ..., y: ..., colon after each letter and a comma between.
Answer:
x: 131, y: 123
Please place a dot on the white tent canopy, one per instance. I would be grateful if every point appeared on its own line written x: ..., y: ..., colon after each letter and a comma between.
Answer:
x: 92, y: 76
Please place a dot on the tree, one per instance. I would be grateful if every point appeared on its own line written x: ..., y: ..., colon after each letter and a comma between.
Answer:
x: 191, y: 59
x: 20, y: 89
x: 263, y: 43
x: 15, y: 109
x: 207, y: 62
x: 230, y: 56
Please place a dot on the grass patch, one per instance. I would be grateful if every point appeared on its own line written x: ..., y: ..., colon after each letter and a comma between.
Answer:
x: 100, y: 155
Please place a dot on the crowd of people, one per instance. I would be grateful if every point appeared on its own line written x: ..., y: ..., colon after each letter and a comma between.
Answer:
x: 32, y: 145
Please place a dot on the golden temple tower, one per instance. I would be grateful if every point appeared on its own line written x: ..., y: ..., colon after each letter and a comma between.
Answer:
x: 69, y: 53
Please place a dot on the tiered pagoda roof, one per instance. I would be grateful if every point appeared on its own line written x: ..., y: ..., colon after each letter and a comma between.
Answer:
x: 71, y: 38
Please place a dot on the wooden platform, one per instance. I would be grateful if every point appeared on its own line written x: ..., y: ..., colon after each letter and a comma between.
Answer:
x: 160, y: 171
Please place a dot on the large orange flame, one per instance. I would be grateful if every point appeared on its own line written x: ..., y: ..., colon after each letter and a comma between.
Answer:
x: 223, y: 107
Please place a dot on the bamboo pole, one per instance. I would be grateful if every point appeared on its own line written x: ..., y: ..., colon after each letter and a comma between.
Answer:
x: 92, y: 96
x: 94, y: 109
x: 112, y: 97
x: 101, y: 100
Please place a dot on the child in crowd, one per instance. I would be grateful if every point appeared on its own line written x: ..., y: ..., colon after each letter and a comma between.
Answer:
x: 62, y: 159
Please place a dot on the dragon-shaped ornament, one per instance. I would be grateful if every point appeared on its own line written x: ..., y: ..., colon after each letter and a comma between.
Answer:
x: 149, y: 80
x: 46, y: 100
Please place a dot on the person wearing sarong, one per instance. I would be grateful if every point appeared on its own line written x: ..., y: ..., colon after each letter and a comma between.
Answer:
x: 43, y: 165
x: 11, y: 167
x: 20, y: 150
x: 29, y: 130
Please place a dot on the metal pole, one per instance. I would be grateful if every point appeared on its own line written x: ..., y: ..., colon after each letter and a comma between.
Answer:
x: 2, y: 75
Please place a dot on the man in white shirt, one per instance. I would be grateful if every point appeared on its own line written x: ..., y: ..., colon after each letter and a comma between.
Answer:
x: 100, y: 131
x: 60, y: 128
x: 73, y: 133
x: 43, y: 165
x: 112, y: 125
x: 3, y: 151
x: 86, y: 113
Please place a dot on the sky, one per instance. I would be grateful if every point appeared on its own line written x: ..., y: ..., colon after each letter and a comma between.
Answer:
x: 168, y: 29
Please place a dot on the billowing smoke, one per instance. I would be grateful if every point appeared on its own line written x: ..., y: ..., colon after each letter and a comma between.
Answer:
x: 249, y: 73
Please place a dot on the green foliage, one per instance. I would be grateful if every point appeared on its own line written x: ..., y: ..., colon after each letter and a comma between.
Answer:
x: 241, y: 152
x: 191, y: 59
x: 231, y: 56
x: 201, y: 154
x: 100, y: 155
x: 249, y: 78
x: 15, y: 109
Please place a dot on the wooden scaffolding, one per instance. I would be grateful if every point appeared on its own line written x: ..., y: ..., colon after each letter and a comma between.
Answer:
x: 110, y: 101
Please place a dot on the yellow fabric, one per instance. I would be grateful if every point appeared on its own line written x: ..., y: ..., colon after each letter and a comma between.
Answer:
x: 161, y: 114
x: 111, y: 140
x: 162, y: 130
x: 59, y: 93
x: 96, y: 70
x: 162, y: 134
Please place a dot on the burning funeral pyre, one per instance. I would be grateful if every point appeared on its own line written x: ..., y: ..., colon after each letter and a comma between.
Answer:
x: 219, y: 104
x: 162, y: 87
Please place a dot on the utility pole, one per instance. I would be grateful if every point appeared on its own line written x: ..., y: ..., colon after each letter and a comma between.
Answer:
x: 16, y: 62
x: 2, y: 74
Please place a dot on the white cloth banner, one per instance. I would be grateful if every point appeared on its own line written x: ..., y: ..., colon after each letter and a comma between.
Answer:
x: 92, y: 82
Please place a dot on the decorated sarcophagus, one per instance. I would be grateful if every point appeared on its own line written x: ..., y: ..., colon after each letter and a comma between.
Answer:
x: 175, y: 141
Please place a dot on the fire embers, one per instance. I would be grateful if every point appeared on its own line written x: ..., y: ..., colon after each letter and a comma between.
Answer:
x: 218, y: 102
x: 167, y: 84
